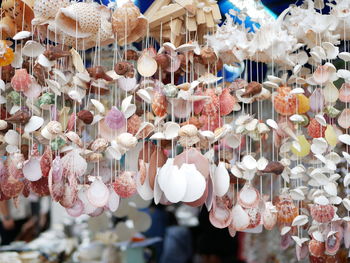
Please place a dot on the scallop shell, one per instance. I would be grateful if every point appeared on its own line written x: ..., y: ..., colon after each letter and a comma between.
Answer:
x: 269, y: 216
x: 125, y: 184
x: 146, y: 65
x: 240, y: 218
x: 227, y: 102
x: 21, y: 80
x: 115, y: 119
x: 322, y: 213
x: 286, y: 210
x: 344, y: 118
x: 284, y: 102
x: 221, y: 213
x: 316, y: 248
x: 344, y: 92
x: 47, y: 9
x: 248, y: 197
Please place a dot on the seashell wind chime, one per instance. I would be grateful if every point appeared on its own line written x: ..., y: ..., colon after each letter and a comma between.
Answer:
x: 160, y: 124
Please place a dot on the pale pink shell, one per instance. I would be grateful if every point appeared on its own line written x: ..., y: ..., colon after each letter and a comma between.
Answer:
x: 227, y: 102
x: 34, y: 90
x: 302, y: 251
x: 21, y: 80
x: 333, y: 242
x: 344, y: 119
x: 255, y: 217
x: 269, y: 219
x: 212, y: 105
x: 198, y: 105
x: 248, y: 197
x: 220, y: 215
x: 134, y: 124
x: 344, y: 92
x: 316, y: 100
x: 115, y: 119
x: 322, y: 213
x: 210, y: 122
x: 11, y: 182
x: 77, y: 209
x: 125, y: 184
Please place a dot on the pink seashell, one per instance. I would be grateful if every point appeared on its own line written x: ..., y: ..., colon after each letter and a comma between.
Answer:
x: 321, y: 74
x: 210, y: 122
x: 269, y: 216
x: 248, y: 197
x: 72, y: 121
x: 344, y: 119
x: 11, y: 182
x: 193, y: 156
x: 175, y: 63
x: 34, y: 90
x: 322, y: 213
x: 56, y: 184
x: 115, y: 119
x: 40, y: 187
x: 198, y: 105
x: 240, y: 218
x: 77, y: 209
x: 97, y: 212
x: 316, y: 248
x: 316, y: 100
x: 344, y: 92
x: 70, y: 193
x: 220, y: 215
x: 255, y: 217
x: 211, y: 107
x: 333, y: 242
x: 98, y: 194
x: 46, y: 161
x: 134, y: 124
x: 21, y: 80
x: 302, y: 251
x: 125, y: 184
x: 180, y: 107
x: 347, y: 235
x: 227, y: 102
x: 286, y: 241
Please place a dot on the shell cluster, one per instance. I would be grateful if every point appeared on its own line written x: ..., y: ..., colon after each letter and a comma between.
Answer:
x: 162, y: 125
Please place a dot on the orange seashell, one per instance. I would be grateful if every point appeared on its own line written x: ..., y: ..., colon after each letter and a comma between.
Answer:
x: 344, y: 92
x: 316, y: 248
x: 315, y: 129
x: 7, y: 57
x: 227, y: 102
x: 286, y: 209
x: 21, y: 80
x: 322, y: 213
x: 134, y: 124
x: 158, y: 159
x: 159, y: 104
x: 212, y: 106
x: 284, y: 102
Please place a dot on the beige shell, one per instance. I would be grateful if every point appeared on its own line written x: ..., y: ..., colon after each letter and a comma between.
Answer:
x: 81, y: 19
x: 47, y: 9
x: 99, y: 145
x: 128, y: 23
x: 126, y: 140
x: 73, y: 137
x: 188, y: 130
x: 51, y: 130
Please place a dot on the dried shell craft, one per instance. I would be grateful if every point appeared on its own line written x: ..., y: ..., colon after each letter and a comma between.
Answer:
x: 286, y: 210
x: 125, y: 184
x: 322, y: 213
x: 248, y: 197
x: 284, y: 102
x: 45, y: 10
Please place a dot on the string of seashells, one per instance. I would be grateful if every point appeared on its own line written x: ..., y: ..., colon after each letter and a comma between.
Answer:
x: 161, y: 125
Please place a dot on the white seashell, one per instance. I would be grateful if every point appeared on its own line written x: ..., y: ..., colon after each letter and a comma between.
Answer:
x: 31, y: 169
x: 127, y: 108
x: 45, y: 62
x: 12, y: 149
x: 33, y: 124
x: 346, y: 157
x: 262, y: 163
x: 335, y: 200
x: 344, y: 56
x: 274, y: 79
x: 22, y: 35
x: 196, y: 183
x: 320, y: 178
x: 297, y: 69
x: 331, y: 50
x: 145, y: 95
x: 32, y: 49
x: 54, y: 86
x: 331, y: 189
x: 297, y: 194
x: 346, y: 181
x: 113, y: 201
x: 285, y: 230
x: 171, y: 130
x: 297, y: 91
x: 169, y: 46
x: 321, y: 120
x: 236, y: 171
x: 331, y: 92
x: 146, y: 65
x: 158, y: 136
x: 18, y: 60
x: 249, y: 162
x: 344, y: 138
x: 300, y: 220
x: 343, y: 73
x: 300, y: 241
x: 221, y: 180
x: 251, y: 126
x: 11, y: 137
x: 296, y: 118
x: 346, y: 203
x: 319, y: 145
x: 321, y: 200
x: 240, y: 218
x: 99, y: 106
x: 271, y: 84
x: 175, y: 186
x: 272, y: 123
x: 318, y: 236
x: 3, y: 125
x: 2, y: 85
x: 186, y: 48
x: 2, y: 99
x: 98, y: 194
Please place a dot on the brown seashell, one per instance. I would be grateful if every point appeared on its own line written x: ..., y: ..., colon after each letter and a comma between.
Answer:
x: 85, y: 116
x: 40, y: 73
x: 56, y: 52
x: 274, y: 168
x: 131, y: 55
x: 194, y: 121
x: 208, y: 55
x: 97, y: 90
x: 252, y: 89
x: 20, y: 117
x: 163, y: 60
x: 98, y: 72
x: 7, y: 72
x: 25, y: 150
x: 134, y: 124
x: 316, y: 248
x: 123, y: 67
x: 286, y: 209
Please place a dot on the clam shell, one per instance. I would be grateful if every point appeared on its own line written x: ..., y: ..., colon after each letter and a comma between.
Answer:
x: 146, y: 65
x: 32, y: 49
x: 221, y: 180
x: 33, y: 124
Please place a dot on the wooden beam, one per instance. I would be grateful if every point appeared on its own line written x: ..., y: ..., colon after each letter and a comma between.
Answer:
x: 156, y: 6
x: 165, y: 14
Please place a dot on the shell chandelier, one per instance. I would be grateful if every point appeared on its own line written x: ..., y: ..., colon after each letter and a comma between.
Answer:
x: 160, y: 123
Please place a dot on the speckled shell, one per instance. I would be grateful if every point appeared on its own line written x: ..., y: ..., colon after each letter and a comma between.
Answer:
x: 134, y: 124
x: 21, y: 80
x: 46, y: 9
x: 316, y: 248
x: 212, y: 106
x: 125, y: 184
x: 227, y: 102
x: 284, y: 102
x: 286, y: 209
x: 159, y: 104
x: 322, y: 213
